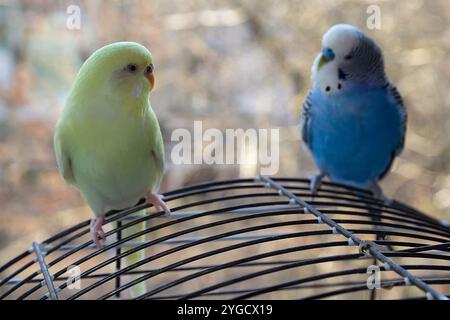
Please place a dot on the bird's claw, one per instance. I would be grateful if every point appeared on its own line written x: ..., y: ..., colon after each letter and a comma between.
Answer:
x: 157, y: 201
x: 98, y: 235
x: 377, y: 193
x: 316, y: 181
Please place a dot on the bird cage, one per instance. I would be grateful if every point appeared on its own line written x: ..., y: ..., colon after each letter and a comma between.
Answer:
x: 263, y: 238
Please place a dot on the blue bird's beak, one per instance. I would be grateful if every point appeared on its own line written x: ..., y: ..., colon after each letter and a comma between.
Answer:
x: 327, y: 55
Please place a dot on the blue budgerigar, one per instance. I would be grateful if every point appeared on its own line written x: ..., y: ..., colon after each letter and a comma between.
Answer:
x: 353, y: 120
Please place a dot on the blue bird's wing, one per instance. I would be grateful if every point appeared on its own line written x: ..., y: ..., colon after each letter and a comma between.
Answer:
x: 305, y: 123
x: 404, y: 115
x: 395, y: 94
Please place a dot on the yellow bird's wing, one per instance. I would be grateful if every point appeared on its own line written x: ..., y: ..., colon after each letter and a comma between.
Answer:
x: 62, y: 156
x: 157, y: 151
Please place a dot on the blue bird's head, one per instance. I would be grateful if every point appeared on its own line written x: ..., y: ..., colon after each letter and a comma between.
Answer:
x: 348, y: 56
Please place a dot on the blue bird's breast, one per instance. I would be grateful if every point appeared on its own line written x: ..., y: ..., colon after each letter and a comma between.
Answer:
x: 354, y: 133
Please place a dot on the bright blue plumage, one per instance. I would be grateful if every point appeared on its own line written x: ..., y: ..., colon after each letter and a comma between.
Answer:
x: 355, y: 133
x: 353, y: 120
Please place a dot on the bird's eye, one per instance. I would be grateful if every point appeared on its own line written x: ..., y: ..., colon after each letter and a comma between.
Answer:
x: 149, y: 69
x: 348, y: 57
x: 131, y: 67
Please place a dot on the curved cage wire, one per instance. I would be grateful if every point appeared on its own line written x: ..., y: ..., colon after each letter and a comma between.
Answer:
x: 267, y: 238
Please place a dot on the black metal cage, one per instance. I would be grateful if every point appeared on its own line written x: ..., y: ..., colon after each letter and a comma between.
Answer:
x: 267, y: 238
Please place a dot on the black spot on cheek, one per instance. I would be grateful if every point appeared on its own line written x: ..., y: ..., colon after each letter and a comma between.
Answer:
x: 341, y: 74
x: 339, y: 86
x: 327, y: 88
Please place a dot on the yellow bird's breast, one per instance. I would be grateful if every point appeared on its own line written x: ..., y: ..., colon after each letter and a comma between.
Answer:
x: 112, y: 161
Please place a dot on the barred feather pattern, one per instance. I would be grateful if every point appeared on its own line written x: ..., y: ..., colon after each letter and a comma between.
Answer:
x: 305, y: 118
x: 370, y: 65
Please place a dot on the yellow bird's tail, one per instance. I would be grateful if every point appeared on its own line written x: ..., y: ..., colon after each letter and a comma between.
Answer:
x: 140, y: 288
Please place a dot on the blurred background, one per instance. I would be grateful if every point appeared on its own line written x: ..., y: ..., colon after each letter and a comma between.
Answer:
x: 231, y: 64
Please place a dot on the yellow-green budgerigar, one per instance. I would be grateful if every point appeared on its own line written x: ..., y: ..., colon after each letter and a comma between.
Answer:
x: 108, y: 142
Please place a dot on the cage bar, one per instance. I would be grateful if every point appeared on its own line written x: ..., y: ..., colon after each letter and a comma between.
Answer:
x: 246, y: 239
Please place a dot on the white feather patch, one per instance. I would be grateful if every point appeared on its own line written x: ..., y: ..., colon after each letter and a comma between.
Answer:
x: 326, y: 76
x: 137, y: 90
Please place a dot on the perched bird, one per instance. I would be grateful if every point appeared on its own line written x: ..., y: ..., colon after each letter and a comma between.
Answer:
x: 353, y: 119
x: 108, y: 142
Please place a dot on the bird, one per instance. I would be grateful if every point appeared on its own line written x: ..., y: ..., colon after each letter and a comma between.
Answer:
x: 353, y: 119
x: 108, y: 141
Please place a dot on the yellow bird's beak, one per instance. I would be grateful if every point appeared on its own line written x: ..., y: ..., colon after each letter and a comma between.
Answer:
x: 322, y: 61
x: 151, y: 79
x: 326, y: 56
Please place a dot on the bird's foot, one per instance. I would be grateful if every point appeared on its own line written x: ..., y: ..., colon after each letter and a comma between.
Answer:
x: 378, y: 194
x: 97, y: 232
x: 157, y: 201
x: 381, y: 232
x: 316, y: 181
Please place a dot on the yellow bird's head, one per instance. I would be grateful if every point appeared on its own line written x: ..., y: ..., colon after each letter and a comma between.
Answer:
x: 123, y: 69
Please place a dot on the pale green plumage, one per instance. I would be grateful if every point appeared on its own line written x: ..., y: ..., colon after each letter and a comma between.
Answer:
x: 108, y: 142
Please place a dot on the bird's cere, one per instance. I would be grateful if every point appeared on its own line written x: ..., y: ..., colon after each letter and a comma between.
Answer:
x: 328, y: 54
